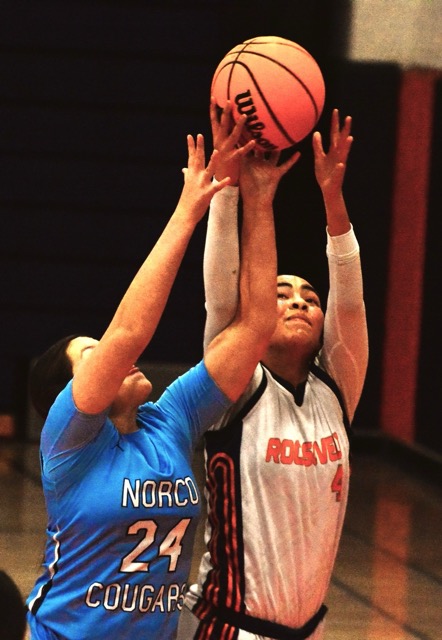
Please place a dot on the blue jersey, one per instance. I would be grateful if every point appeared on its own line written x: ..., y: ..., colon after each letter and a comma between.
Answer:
x: 122, y: 513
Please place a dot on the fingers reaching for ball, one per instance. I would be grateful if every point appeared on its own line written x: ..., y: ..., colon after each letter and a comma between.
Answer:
x: 330, y: 166
x: 227, y: 140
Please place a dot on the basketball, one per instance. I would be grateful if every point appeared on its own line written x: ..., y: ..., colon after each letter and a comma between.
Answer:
x: 277, y: 84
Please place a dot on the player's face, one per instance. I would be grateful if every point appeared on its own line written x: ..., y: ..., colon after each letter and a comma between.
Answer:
x: 135, y: 387
x: 300, y: 317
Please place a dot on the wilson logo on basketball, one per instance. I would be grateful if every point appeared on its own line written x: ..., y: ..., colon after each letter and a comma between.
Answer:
x: 254, y: 126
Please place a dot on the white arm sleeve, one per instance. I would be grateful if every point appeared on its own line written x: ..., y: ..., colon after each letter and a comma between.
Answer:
x: 345, y: 351
x: 221, y: 262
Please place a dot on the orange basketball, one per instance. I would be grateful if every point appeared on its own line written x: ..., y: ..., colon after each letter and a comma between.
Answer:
x: 277, y: 84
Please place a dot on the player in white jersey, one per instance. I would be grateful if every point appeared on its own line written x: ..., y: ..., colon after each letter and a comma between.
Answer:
x: 277, y: 464
x: 121, y: 498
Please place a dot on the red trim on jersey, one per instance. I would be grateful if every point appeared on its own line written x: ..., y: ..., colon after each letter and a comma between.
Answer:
x: 224, y: 465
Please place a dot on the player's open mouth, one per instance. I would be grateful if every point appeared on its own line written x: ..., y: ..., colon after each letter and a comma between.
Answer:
x: 299, y: 319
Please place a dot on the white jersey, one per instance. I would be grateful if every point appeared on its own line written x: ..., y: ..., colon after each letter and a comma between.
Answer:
x: 278, y: 471
x: 277, y: 477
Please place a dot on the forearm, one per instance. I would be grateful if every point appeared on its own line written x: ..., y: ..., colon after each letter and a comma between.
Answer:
x: 233, y: 355
x: 221, y: 262
x: 338, y: 221
x: 258, y: 263
x: 345, y: 351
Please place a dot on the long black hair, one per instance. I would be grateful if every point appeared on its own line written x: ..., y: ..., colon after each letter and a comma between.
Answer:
x: 49, y: 375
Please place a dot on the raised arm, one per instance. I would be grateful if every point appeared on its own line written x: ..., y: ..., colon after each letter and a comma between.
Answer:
x: 221, y: 254
x: 233, y: 355
x: 330, y: 171
x: 98, y: 378
x: 345, y: 350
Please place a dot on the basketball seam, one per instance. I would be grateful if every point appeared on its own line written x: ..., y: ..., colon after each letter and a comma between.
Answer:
x: 219, y: 69
x: 229, y: 80
x: 290, y: 45
x: 303, y: 85
x: 275, y: 119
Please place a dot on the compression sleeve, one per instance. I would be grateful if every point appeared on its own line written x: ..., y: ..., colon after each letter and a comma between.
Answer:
x: 345, y: 351
x: 221, y: 262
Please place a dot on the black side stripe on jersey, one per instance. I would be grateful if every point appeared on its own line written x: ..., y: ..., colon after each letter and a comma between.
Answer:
x: 35, y: 605
x: 225, y: 583
x: 254, y: 398
x: 39, y: 601
x: 328, y: 380
x: 215, y: 629
x: 230, y: 431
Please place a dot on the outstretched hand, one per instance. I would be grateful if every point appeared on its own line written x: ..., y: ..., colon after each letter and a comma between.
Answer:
x: 199, y: 187
x: 227, y: 141
x: 330, y: 167
x: 260, y: 173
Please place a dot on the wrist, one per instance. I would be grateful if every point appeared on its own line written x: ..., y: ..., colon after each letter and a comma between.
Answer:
x: 332, y: 195
x: 258, y: 204
x: 257, y: 197
x: 233, y: 184
x: 189, y: 213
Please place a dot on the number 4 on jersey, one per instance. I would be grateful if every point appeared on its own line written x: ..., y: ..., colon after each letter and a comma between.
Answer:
x: 336, y: 485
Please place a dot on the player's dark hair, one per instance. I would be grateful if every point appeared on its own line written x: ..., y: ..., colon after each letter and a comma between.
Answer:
x: 49, y: 375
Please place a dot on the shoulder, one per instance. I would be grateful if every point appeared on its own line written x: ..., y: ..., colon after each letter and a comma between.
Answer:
x: 61, y: 411
x: 192, y: 399
x: 195, y: 384
x: 66, y: 427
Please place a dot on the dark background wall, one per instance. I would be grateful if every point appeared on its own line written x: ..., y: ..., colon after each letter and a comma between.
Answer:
x: 96, y: 99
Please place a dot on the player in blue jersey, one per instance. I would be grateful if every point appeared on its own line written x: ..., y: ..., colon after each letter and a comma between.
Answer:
x: 121, y: 498
x: 277, y: 463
